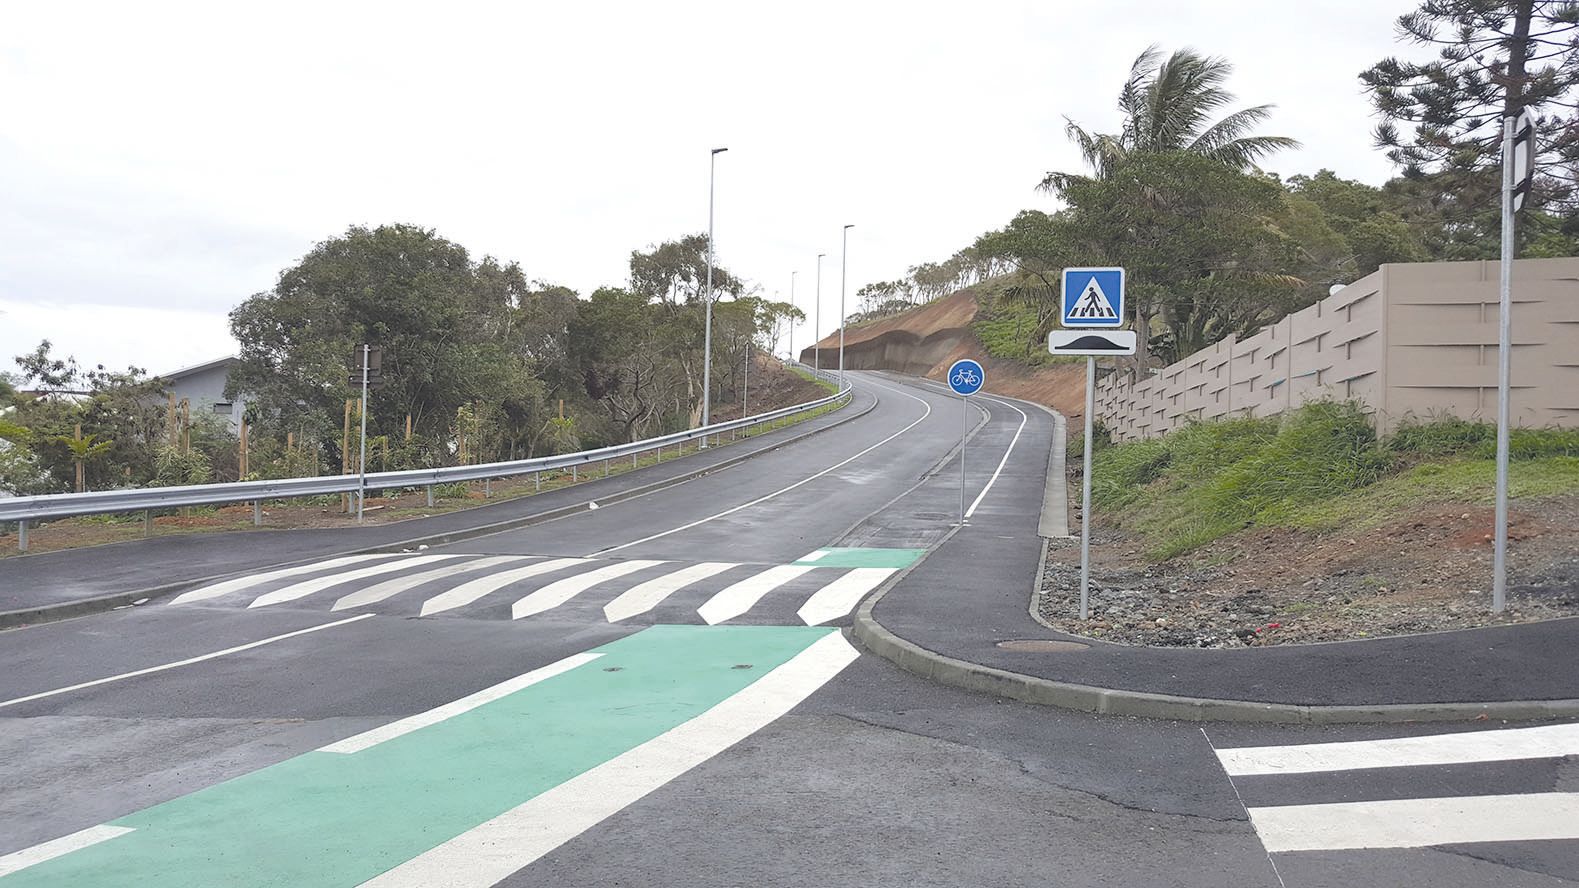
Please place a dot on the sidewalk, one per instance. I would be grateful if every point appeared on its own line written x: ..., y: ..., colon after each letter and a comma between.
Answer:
x: 71, y: 582
x: 944, y: 619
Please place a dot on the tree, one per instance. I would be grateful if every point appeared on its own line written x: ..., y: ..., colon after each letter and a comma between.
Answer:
x: 453, y: 332
x: 1441, y: 120
x: 83, y: 449
x: 1168, y: 106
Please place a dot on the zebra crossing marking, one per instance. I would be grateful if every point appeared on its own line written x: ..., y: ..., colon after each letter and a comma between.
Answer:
x: 1418, y: 823
x: 842, y: 595
x: 641, y: 598
x: 215, y: 590
x: 389, y: 588
x: 468, y: 592
x: 557, y: 593
x: 1546, y: 741
x: 741, y: 597
x: 318, y: 584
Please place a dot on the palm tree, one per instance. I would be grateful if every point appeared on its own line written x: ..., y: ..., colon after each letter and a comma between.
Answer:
x: 1168, y: 106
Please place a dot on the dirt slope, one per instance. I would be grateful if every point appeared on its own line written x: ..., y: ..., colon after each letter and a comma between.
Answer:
x: 925, y: 341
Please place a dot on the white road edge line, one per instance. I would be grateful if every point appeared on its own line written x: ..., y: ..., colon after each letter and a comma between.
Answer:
x: 1418, y: 823
x: 489, y: 853
x: 187, y: 662
x: 764, y: 498
x: 1546, y: 741
x: 1002, y: 462
x: 384, y: 733
x: 17, y: 861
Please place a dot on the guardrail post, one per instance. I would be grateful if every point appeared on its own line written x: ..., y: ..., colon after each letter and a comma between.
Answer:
x: 487, y: 488
x: 430, y: 496
x: 605, y: 468
x: 633, y: 460
x: 148, y: 523
x: 537, y: 481
x: 575, y: 477
x: 21, y: 535
x: 257, y: 513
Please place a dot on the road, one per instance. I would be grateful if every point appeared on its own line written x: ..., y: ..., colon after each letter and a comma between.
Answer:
x: 659, y: 692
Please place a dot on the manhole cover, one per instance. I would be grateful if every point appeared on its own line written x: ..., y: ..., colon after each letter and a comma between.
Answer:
x: 1042, y: 646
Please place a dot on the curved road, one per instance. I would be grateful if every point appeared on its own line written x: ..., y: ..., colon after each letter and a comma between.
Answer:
x: 656, y: 692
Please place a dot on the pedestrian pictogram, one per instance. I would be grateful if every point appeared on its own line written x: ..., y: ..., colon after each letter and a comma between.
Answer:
x: 1093, y: 297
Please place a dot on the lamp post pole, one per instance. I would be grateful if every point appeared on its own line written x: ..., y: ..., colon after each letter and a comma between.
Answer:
x: 792, y: 315
x: 707, y: 336
x: 816, y: 324
x: 844, y: 267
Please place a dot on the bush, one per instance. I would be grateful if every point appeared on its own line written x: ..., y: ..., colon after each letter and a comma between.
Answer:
x: 1450, y: 436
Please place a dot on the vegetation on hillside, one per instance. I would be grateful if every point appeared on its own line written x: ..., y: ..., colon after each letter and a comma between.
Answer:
x: 1321, y: 466
x: 479, y: 364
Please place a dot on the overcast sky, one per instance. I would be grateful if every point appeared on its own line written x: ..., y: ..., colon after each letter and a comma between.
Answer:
x: 161, y: 162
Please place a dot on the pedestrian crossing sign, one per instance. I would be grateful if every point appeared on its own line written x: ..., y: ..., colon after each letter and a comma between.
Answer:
x: 1093, y: 297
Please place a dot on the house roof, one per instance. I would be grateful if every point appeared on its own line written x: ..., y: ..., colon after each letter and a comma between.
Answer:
x: 199, y: 368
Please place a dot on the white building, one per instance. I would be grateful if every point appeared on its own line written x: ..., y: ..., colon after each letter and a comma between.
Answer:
x: 203, y: 386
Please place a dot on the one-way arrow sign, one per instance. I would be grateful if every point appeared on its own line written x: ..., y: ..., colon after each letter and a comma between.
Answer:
x: 1091, y: 342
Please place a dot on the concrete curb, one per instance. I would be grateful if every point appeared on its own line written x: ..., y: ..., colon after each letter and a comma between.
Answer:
x: 65, y: 610
x: 911, y: 657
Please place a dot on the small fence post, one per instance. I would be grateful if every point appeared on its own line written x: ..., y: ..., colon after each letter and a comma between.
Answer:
x: 21, y: 535
x: 257, y: 513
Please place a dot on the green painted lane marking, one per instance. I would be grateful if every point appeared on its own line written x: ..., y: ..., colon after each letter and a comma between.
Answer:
x: 327, y: 819
x: 858, y: 557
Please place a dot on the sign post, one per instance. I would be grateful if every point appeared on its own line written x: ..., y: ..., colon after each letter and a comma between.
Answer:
x: 368, y: 375
x: 965, y: 378
x: 1518, y: 173
x: 1093, y: 297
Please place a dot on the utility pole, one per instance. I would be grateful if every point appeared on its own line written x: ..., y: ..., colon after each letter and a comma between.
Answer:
x: 707, y: 337
x: 792, y: 315
x: 361, y: 464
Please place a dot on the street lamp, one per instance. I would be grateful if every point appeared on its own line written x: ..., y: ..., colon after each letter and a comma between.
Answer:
x: 792, y: 315
x: 844, y: 266
x: 707, y: 337
x: 816, y: 324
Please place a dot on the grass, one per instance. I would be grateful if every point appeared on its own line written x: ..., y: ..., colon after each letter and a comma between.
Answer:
x: 1319, y: 467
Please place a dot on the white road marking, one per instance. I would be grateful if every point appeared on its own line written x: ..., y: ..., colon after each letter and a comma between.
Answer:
x: 555, y: 594
x: 390, y: 588
x: 187, y: 662
x: 1547, y: 741
x: 765, y: 497
x: 489, y: 853
x: 1418, y: 823
x: 318, y: 584
x: 842, y: 595
x: 383, y: 733
x: 742, y: 596
x: 468, y: 592
x: 17, y: 861
x: 644, y: 597
x: 995, y: 472
x: 813, y: 556
x: 217, y: 589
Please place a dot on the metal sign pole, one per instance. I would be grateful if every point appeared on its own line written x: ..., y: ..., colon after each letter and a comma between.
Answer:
x: 964, y: 425
x: 361, y: 465
x: 1499, y: 568
x: 1085, y: 494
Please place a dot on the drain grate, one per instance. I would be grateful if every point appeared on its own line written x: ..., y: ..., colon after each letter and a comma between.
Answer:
x: 1042, y: 646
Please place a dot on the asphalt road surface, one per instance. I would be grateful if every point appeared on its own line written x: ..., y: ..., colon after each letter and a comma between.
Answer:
x: 659, y: 692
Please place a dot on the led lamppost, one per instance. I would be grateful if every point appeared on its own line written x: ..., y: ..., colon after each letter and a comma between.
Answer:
x: 844, y: 266
x: 792, y: 315
x: 816, y: 324
x: 707, y: 337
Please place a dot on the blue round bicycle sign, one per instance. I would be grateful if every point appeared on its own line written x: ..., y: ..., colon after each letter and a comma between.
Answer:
x: 966, y: 377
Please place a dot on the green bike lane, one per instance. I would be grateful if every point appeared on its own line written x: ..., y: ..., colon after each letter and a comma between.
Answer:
x: 470, y: 791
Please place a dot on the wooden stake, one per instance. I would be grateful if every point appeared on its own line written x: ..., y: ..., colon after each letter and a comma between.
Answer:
x: 408, y: 427
x: 345, y: 454
x: 186, y: 426
x: 242, y: 468
x: 80, y: 479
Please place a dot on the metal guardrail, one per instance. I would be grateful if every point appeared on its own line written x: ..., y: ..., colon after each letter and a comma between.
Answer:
x: 25, y: 509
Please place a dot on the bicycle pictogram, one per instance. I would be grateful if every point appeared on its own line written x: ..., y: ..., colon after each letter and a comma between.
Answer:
x: 966, y: 377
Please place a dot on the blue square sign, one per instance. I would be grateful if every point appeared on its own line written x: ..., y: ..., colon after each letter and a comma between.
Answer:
x: 1093, y: 297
